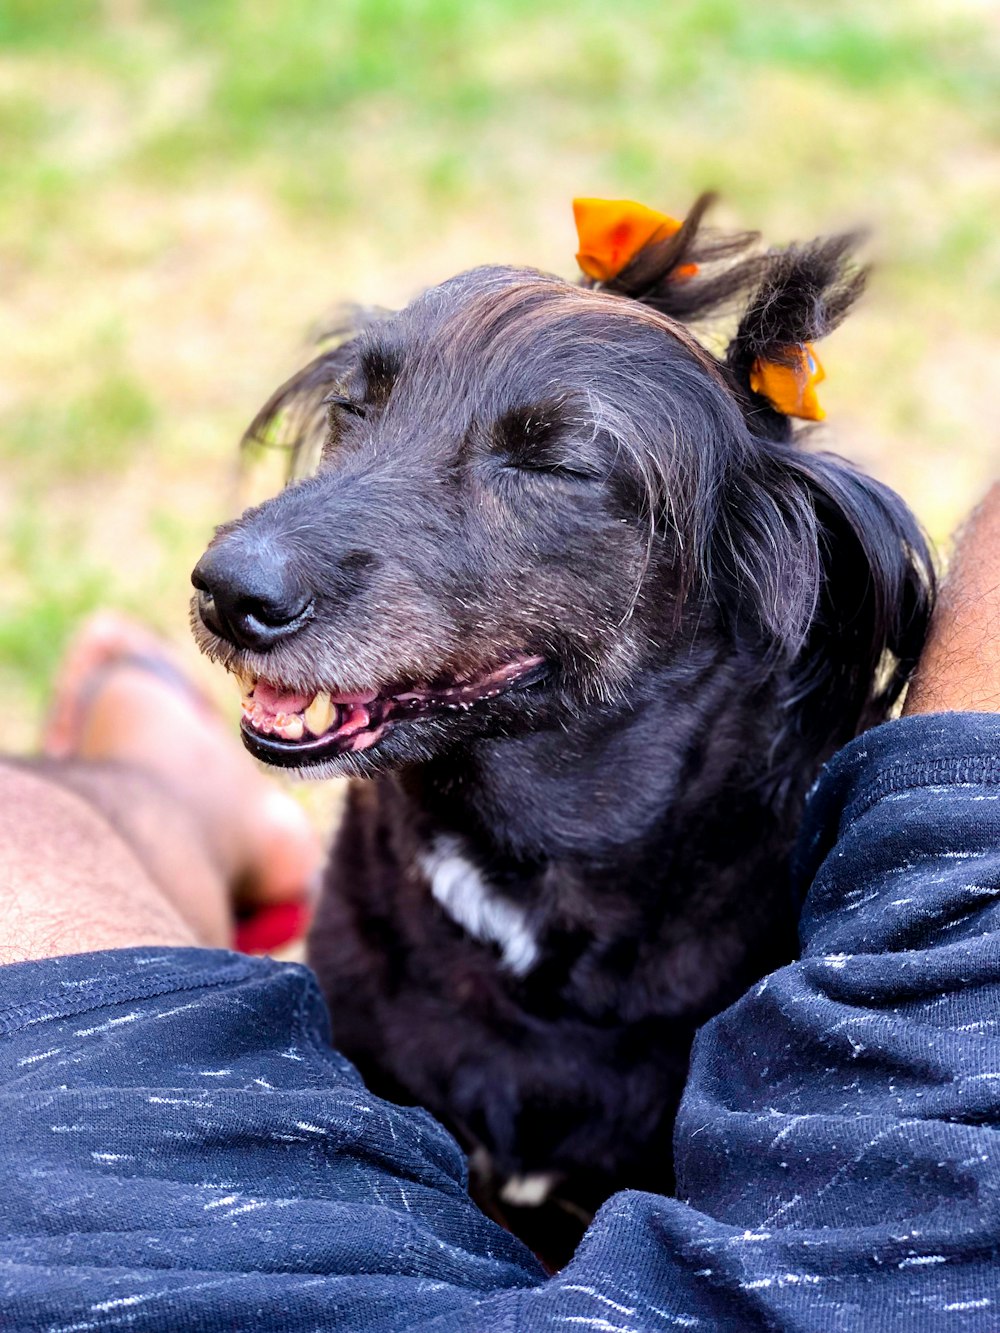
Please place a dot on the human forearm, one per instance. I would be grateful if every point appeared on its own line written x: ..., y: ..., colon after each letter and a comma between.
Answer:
x: 960, y: 666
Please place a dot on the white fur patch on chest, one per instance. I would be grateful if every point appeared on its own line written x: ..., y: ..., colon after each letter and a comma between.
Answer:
x: 462, y: 892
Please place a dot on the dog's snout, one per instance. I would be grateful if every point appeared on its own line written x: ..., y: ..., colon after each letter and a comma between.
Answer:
x: 249, y: 594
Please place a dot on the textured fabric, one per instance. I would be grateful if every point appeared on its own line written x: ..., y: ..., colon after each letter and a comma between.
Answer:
x: 183, y: 1150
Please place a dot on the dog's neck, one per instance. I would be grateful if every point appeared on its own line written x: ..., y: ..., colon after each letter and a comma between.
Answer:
x: 570, y: 851
x: 611, y: 792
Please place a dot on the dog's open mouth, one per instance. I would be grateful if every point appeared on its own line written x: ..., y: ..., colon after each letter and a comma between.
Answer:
x: 293, y: 729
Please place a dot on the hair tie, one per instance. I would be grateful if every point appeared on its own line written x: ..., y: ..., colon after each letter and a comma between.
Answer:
x: 611, y: 233
x: 789, y: 384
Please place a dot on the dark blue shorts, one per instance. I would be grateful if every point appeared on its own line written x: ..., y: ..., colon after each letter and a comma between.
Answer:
x: 182, y: 1148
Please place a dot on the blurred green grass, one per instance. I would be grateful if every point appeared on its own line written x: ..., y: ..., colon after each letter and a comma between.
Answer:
x: 186, y: 185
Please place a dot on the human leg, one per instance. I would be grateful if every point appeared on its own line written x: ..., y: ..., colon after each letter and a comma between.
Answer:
x: 72, y: 883
x: 144, y: 816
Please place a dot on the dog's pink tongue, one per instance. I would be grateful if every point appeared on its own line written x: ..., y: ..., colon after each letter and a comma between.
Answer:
x: 272, y: 700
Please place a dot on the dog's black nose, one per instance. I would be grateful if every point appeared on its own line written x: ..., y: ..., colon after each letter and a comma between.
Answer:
x: 250, y: 596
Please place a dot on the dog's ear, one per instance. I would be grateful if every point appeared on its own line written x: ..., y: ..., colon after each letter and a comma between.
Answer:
x: 837, y: 566
x: 841, y: 582
x: 804, y: 293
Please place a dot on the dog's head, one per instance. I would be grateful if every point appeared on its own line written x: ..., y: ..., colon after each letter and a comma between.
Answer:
x: 534, y: 497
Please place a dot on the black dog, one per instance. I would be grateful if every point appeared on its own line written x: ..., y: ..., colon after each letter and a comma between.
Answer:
x: 564, y: 585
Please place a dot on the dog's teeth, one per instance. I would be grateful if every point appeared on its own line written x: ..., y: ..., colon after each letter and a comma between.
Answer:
x: 247, y: 683
x: 293, y: 728
x: 320, y: 714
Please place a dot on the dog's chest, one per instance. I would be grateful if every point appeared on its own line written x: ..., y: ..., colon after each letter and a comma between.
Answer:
x: 463, y: 892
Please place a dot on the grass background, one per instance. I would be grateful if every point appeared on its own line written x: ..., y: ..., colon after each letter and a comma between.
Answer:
x: 187, y: 185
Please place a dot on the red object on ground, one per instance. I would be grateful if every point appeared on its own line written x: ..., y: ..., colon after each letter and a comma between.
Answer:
x: 272, y: 926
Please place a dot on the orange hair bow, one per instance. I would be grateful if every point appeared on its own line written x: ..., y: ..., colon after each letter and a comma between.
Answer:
x: 790, y: 384
x: 612, y: 232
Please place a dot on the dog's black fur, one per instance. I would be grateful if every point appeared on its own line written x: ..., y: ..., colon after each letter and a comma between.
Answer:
x: 514, y: 465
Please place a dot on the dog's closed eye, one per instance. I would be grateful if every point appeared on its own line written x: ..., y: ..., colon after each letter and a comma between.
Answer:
x: 553, y: 464
x: 536, y: 439
x: 341, y: 402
